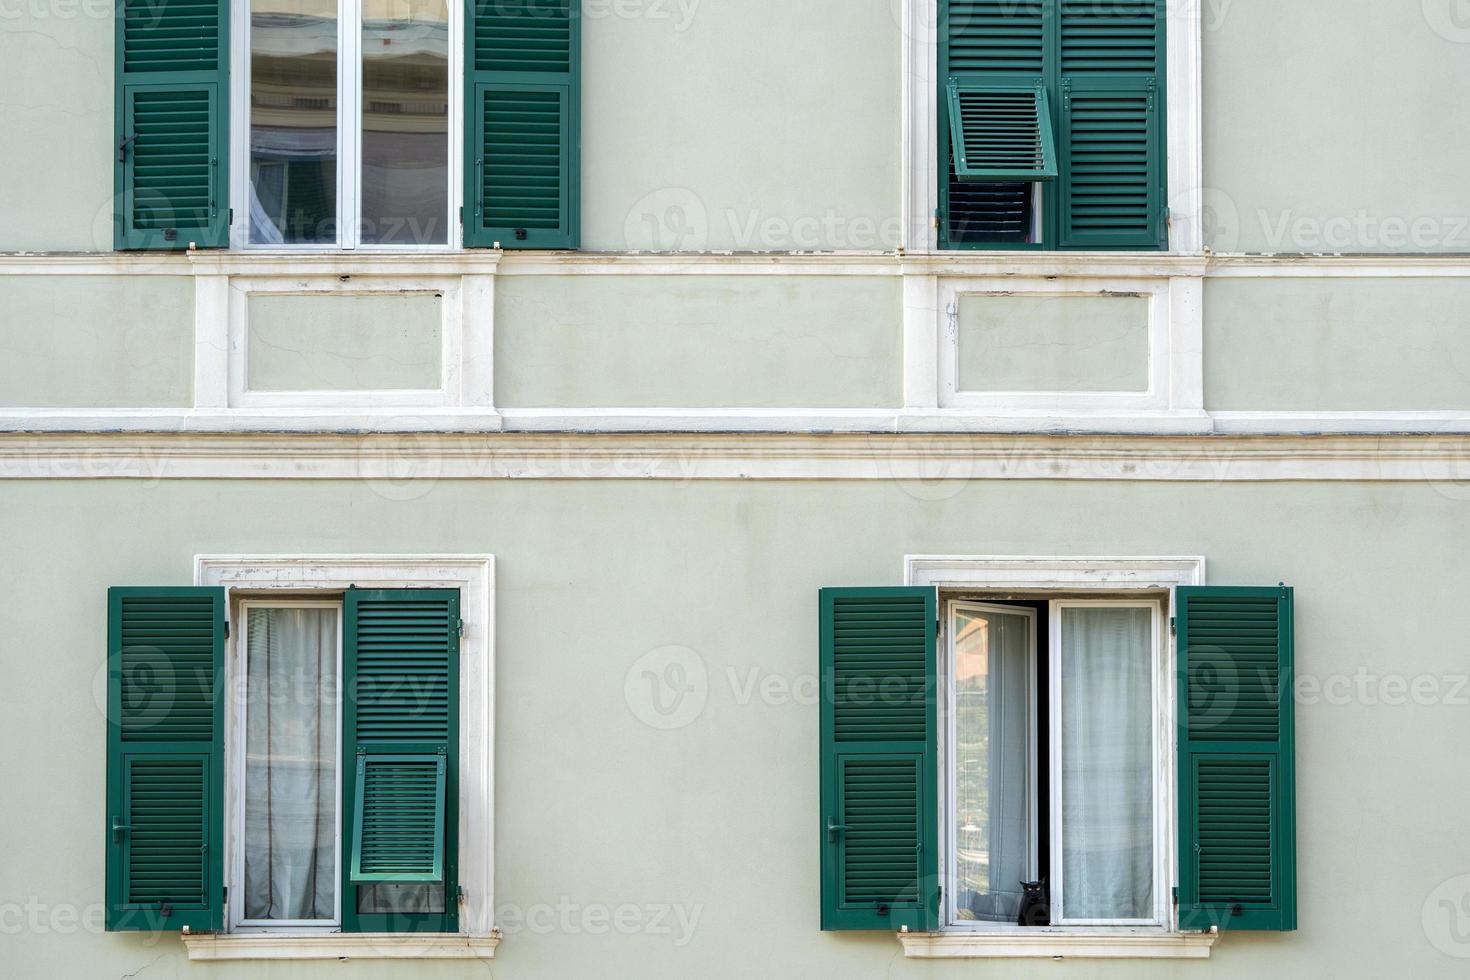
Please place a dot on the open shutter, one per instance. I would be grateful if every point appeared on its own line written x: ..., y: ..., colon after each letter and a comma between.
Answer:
x: 165, y: 758
x: 401, y: 750
x: 522, y: 124
x: 1001, y: 132
x: 171, y: 118
x: 1111, y: 66
x: 879, y: 755
x: 1237, y: 806
x: 990, y: 49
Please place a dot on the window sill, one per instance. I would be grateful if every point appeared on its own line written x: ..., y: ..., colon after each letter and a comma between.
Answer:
x: 340, y: 946
x: 1058, y: 944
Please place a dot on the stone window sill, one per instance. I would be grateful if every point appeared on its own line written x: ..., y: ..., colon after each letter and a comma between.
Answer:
x: 1058, y: 944
x: 339, y: 946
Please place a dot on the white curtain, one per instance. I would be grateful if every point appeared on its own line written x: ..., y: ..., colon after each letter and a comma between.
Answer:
x: 290, y: 763
x: 993, y: 818
x: 1107, y: 763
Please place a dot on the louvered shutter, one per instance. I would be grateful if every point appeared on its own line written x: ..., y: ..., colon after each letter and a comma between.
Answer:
x: 1111, y: 65
x: 1237, y: 807
x: 401, y: 745
x: 165, y: 758
x: 1001, y: 132
x: 879, y: 755
x: 522, y: 126
x: 990, y: 49
x: 171, y: 119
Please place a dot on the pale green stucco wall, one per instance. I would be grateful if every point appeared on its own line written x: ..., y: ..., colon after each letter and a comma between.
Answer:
x: 344, y: 343
x: 96, y: 341
x: 1337, y: 344
x: 1053, y: 343
x: 1336, y: 125
x: 697, y: 341
x: 598, y: 809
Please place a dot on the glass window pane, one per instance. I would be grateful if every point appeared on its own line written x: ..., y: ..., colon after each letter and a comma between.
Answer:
x: 1107, y: 766
x: 293, y: 122
x: 290, y: 787
x: 991, y: 760
x: 405, y: 122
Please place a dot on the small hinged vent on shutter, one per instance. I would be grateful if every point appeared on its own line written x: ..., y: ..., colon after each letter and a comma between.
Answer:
x: 1001, y: 133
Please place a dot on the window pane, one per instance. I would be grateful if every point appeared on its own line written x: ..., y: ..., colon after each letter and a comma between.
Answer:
x: 290, y: 763
x: 1107, y: 763
x: 293, y: 122
x: 400, y: 898
x: 992, y: 813
x: 405, y: 122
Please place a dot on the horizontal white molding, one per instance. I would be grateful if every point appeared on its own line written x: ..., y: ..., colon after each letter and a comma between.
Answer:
x: 339, y: 946
x: 794, y: 421
x: 1058, y: 944
x: 927, y: 463
x: 491, y: 262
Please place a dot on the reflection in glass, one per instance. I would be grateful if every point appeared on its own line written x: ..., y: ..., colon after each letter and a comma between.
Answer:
x: 1107, y: 763
x: 293, y: 122
x: 992, y: 814
x: 290, y: 793
x: 405, y: 122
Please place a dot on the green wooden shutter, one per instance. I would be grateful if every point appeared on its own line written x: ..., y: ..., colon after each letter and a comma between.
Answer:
x: 879, y: 820
x: 1111, y: 64
x: 165, y: 758
x: 1237, y: 806
x: 401, y: 747
x: 522, y: 123
x: 1001, y: 132
x: 172, y: 123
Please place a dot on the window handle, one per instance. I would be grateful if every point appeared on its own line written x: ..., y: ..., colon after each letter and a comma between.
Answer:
x: 122, y: 147
x: 834, y: 828
x: 119, y: 830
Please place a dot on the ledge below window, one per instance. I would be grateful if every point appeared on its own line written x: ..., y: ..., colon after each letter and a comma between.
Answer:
x: 340, y: 946
x: 1058, y: 944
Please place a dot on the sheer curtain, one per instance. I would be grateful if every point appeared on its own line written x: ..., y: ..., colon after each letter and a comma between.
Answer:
x: 290, y: 763
x: 1107, y: 763
x: 993, y: 817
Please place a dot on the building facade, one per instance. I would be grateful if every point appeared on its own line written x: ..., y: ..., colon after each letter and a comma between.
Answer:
x: 666, y: 488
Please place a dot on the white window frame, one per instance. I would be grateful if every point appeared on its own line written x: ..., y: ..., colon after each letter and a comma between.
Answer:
x: 239, y: 672
x: 949, y: 725
x: 1185, y: 150
x: 320, y: 576
x: 1161, y: 826
x: 349, y: 135
x: 1125, y: 576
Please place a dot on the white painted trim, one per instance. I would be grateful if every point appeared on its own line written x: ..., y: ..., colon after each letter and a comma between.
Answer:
x: 1174, y: 369
x: 924, y: 465
x: 1184, y: 85
x: 1387, y: 265
x: 1051, y: 573
x: 236, y: 325
x: 1059, y: 945
x: 340, y: 946
x: 474, y: 575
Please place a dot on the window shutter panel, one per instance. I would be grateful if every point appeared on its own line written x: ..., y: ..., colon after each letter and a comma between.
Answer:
x: 172, y: 121
x: 1237, y: 801
x: 522, y: 123
x: 879, y: 821
x: 401, y: 745
x: 1112, y: 187
x: 165, y: 758
x: 988, y: 46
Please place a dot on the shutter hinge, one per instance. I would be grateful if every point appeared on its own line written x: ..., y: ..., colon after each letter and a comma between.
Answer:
x: 1173, y: 628
x: 1175, y: 891
x: 461, y: 628
x: 231, y: 218
x: 461, y: 214
x: 227, y: 629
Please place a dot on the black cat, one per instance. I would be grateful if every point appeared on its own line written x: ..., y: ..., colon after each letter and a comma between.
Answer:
x: 1035, y: 906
